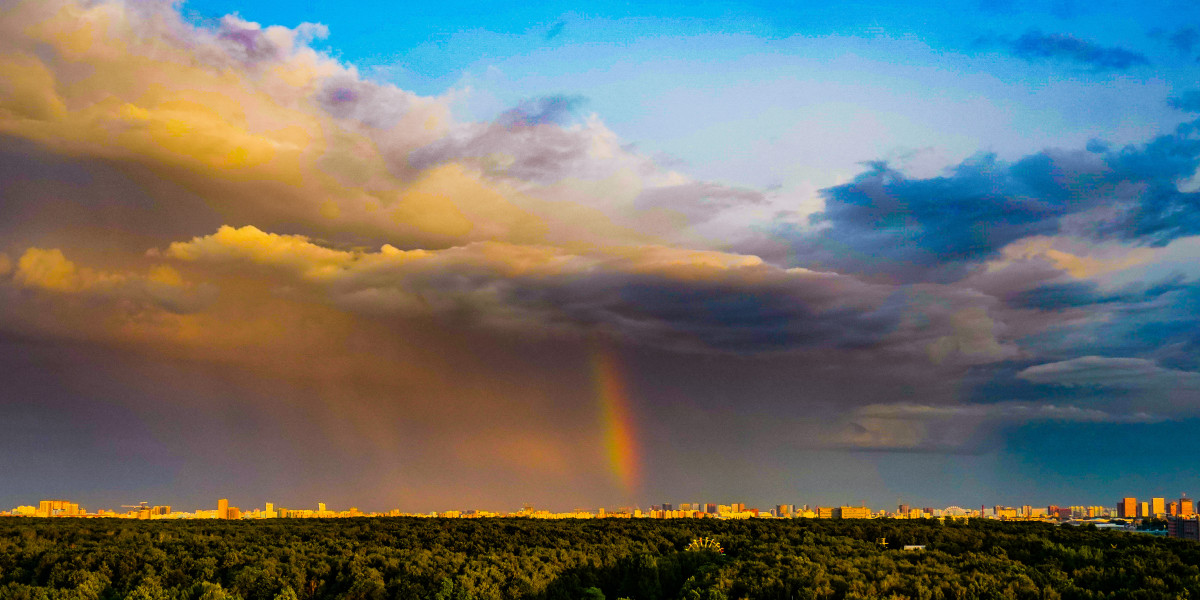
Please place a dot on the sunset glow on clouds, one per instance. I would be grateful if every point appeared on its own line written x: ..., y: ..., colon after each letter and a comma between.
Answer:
x: 235, y: 259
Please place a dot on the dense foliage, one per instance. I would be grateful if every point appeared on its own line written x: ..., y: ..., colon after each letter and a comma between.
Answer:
x: 461, y: 559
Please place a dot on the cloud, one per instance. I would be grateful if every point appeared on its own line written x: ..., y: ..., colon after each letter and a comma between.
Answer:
x: 556, y: 109
x: 162, y: 287
x: 973, y: 339
x: 698, y: 201
x: 684, y: 299
x: 1118, y: 372
x: 1077, y: 258
x: 1188, y: 101
x: 937, y: 229
x: 1182, y: 40
x: 555, y: 30
x: 960, y: 428
x: 1034, y: 45
x: 1055, y: 296
x: 884, y: 221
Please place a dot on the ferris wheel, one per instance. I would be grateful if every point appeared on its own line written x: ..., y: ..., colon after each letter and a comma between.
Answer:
x: 705, y: 544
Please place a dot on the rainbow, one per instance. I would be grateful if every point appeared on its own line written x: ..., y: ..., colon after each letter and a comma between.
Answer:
x: 620, y: 443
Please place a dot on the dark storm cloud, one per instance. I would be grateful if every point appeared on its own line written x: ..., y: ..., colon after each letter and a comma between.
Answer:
x: 1034, y: 45
x: 917, y: 228
x: 934, y: 229
x: 1164, y: 327
x: 711, y: 317
x: 728, y: 318
x: 654, y: 296
x: 1072, y: 294
x: 959, y: 429
x: 1160, y: 212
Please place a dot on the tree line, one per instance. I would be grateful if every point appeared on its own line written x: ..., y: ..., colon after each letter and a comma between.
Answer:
x: 638, y: 559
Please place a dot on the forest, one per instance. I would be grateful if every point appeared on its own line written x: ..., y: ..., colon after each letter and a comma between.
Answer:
x: 638, y: 559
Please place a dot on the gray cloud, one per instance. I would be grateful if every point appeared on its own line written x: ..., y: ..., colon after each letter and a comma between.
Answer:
x: 657, y: 296
x: 1188, y: 101
x: 936, y: 229
x: 698, y: 200
x: 1034, y: 45
x: 556, y: 109
x: 555, y: 30
x: 537, y: 152
x: 955, y: 429
x: 1118, y: 372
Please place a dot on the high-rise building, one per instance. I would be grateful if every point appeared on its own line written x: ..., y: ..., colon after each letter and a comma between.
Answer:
x: 1127, y: 508
x: 223, y: 508
x: 1158, y: 507
x: 57, y: 508
x: 321, y: 507
x: 852, y: 512
x: 1144, y: 509
x: 710, y: 508
x: 1188, y: 529
x: 1173, y: 509
x: 1186, y: 508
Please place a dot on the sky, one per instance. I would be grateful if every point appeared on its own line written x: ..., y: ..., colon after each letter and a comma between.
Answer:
x: 437, y: 256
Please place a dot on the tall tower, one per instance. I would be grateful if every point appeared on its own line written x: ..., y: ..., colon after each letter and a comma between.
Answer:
x: 1186, y: 508
x: 321, y: 507
x: 223, y: 508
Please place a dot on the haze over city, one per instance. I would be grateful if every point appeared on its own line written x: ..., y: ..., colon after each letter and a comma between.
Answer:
x: 439, y: 256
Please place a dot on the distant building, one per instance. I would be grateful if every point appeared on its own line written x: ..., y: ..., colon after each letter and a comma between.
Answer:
x: 1184, y: 528
x: 57, y: 508
x: 852, y: 512
x: 1158, y: 507
x: 1144, y: 509
x: 223, y: 508
x: 1127, y: 508
x: 1186, y: 508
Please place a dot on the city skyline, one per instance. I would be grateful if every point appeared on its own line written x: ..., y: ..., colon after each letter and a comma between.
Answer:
x: 428, y: 254
x: 1128, y: 507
